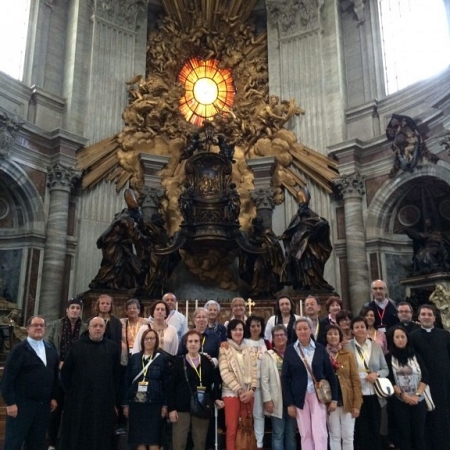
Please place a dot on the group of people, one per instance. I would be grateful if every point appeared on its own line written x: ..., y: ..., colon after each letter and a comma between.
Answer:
x: 143, y: 374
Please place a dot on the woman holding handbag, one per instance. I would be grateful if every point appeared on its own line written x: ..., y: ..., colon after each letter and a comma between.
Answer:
x: 409, y: 377
x: 145, y: 402
x: 193, y: 375
x: 306, y: 364
x: 254, y: 331
x: 371, y: 365
x: 239, y: 379
x: 341, y: 423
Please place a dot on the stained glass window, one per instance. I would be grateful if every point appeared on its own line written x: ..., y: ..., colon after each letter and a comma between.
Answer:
x: 209, y: 90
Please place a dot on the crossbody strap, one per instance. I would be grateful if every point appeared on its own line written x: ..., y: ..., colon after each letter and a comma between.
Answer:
x: 144, y: 368
x: 185, y: 375
x: 361, y: 354
x: 308, y: 367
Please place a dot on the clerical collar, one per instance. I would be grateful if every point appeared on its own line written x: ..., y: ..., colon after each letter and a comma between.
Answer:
x: 428, y: 330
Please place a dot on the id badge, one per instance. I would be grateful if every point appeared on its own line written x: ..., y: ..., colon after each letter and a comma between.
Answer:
x: 142, y: 386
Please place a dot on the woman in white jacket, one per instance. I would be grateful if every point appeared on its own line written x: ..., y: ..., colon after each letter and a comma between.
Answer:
x: 283, y: 426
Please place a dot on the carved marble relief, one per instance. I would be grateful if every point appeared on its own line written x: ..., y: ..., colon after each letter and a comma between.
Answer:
x: 295, y: 16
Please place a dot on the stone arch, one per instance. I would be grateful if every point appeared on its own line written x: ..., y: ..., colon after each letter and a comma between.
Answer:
x: 25, y: 194
x: 382, y: 208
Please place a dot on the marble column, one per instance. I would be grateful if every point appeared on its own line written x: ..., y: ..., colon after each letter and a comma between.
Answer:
x: 352, y: 189
x: 60, y: 180
x: 263, y: 201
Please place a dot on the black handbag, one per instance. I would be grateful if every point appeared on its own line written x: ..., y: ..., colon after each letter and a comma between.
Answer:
x: 201, y: 405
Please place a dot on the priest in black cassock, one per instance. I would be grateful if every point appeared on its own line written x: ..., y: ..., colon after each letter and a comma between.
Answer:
x: 433, y: 345
x: 90, y: 377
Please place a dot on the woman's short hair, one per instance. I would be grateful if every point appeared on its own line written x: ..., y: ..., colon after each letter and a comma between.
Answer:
x: 249, y: 321
x: 133, y: 301
x: 190, y: 333
x: 196, y: 311
x: 331, y: 300
x: 343, y: 314
x: 235, y: 300
x: 332, y: 326
x: 144, y: 334
x: 232, y: 324
x: 278, y: 327
x: 303, y: 319
x: 212, y: 302
x: 358, y: 319
x: 155, y: 304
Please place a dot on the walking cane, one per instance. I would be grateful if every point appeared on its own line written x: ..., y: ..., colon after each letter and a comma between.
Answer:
x: 216, y: 443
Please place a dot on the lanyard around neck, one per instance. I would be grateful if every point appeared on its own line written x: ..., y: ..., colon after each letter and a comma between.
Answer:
x: 199, y: 371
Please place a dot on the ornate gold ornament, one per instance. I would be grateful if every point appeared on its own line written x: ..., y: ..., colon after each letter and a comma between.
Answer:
x: 253, y: 121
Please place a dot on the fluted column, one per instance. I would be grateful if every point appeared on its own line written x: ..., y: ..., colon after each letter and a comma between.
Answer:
x: 263, y: 201
x: 352, y: 189
x: 60, y: 181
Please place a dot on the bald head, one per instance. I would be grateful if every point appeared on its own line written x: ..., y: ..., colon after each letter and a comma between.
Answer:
x: 97, y: 327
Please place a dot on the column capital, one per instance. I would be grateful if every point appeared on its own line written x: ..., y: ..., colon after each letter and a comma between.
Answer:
x: 263, y: 198
x: 62, y: 178
x: 351, y: 185
x: 151, y: 197
x: 295, y: 18
x: 124, y: 13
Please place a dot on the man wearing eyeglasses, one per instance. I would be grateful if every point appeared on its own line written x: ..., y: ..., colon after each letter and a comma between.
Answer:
x: 385, y: 311
x: 29, y: 388
x: 62, y: 334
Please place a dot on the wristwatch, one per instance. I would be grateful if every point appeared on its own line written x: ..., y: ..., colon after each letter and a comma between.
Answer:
x: 417, y: 394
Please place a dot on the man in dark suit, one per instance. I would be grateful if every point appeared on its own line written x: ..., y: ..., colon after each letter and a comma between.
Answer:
x: 29, y: 388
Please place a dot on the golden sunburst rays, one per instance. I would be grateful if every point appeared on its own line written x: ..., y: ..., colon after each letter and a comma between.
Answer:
x: 210, y: 10
x: 208, y: 90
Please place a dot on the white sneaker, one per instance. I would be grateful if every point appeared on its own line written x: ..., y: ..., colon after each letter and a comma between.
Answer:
x: 51, y: 447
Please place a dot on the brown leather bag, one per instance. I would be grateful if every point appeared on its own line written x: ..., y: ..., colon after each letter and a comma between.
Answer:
x: 245, y: 437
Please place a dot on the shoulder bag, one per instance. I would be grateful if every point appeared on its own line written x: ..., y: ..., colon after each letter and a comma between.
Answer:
x: 428, y: 400
x: 245, y: 436
x: 201, y: 405
x: 383, y: 387
x: 322, y: 387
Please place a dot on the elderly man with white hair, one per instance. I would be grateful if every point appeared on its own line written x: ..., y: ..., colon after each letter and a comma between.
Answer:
x: 213, y: 309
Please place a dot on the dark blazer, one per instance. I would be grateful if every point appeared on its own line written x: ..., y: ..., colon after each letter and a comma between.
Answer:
x: 179, y: 393
x: 157, y: 376
x: 26, y: 376
x: 114, y: 330
x: 294, y: 376
x: 322, y: 334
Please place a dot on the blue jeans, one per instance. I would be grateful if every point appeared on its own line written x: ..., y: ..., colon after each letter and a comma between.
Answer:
x: 283, y: 432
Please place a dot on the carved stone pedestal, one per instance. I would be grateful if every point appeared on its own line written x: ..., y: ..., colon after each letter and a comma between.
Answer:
x: 419, y: 288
